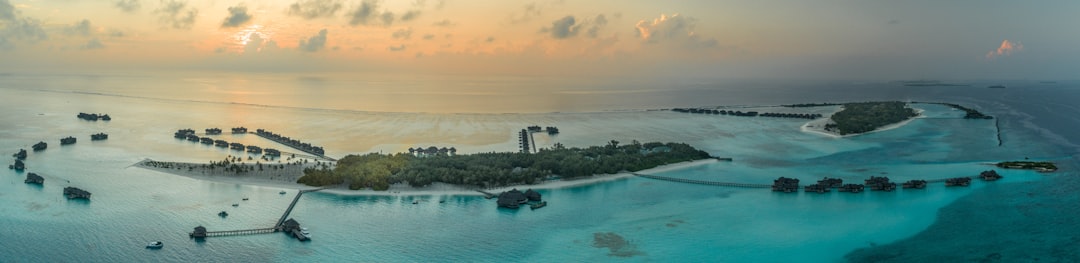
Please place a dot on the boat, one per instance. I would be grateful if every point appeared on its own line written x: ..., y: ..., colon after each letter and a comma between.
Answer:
x: 415, y: 202
x: 105, y: 117
x: 235, y: 205
x: 223, y: 214
x: 282, y: 192
x: 99, y: 136
x: 245, y: 199
x: 155, y: 245
x: 68, y: 140
x: 538, y: 205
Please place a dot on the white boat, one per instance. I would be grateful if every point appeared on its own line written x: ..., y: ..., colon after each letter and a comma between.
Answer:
x: 155, y: 245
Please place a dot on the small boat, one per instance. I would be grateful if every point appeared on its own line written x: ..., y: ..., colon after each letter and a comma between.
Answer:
x: 235, y: 205
x: 538, y: 205
x: 415, y: 202
x: 223, y: 214
x: 245, y: 199
x: 282, y: 192
x: 155, y: 245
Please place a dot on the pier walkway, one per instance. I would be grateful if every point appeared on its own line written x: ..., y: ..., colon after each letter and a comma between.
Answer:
x: 701, y: 182
x: 201, y: 232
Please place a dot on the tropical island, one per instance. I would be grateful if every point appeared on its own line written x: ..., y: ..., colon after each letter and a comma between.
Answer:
x: 860, y: 117
x: 495, y: 169
x: 1038, y: 166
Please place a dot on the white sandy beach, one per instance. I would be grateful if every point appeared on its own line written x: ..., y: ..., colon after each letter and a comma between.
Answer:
x: 818, y: 126
x: 286, y: 179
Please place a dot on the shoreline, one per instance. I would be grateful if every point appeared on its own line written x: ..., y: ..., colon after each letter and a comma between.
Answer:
x: 818, y: 126
x: 275, y: 179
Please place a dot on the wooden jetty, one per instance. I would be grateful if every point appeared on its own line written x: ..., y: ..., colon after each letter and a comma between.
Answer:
x: 487, y: 195
x: 289, y: 226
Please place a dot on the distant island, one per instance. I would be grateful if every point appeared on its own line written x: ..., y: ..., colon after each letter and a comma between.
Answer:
x: 1038, y: 166
x: 996, y: 87
x: 930, y: 83
x: 378, y: 171
x: 860, y: 117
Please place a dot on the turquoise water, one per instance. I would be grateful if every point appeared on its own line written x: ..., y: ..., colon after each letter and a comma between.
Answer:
x: 661, y: 221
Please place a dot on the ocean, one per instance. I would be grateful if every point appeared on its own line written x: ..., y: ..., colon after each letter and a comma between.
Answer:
x: 1027, y: 216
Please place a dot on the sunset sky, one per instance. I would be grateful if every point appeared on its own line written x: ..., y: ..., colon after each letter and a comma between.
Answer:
x: 608, y: 38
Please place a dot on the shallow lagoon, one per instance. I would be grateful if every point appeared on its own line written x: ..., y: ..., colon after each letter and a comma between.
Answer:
x: 662, y: 221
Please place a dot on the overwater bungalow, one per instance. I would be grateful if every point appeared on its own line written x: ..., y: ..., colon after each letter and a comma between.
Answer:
x: 33, y: 178
x: 193, y: 138
x: 254, y: 149
x: 538, y: 205
x: 199, y: 232
x: 105, y: 117
x: 239, y: 130
x: 880, y: 184
x: 512, y: 199
x: 40, y: 146
x: 990, y: 175
x: 959, y: 181
x: 818, y: 188
x: 851, y: 188
x: 534, y: 128
x: 74, y: 193
x: 21, y: 155
x: 236, y: 146
x: 831, y: 182
x: 68, y: 140
x: 787, y: 185
x: 18, y: 166
x: 213, y: 131
x: 272, y: 152
x: 221, y: 143
x: 99, y: 136
x: 552, y: 130
x: 206, y: 140
x: 533, y: 196
x: 918, y: 184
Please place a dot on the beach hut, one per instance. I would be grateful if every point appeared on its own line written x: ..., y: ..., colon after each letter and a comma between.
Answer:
x: 533, y: 196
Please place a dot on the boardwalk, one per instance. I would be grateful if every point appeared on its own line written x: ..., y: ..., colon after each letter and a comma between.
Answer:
x: 241, y: 232
x: 701, y: 182
x: 276, y: 228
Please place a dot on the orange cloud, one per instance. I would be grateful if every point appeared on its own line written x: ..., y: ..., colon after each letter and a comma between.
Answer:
x: 1006, y: 48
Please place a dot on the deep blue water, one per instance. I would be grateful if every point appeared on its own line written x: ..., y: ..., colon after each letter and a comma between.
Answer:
x: 1027, y: 216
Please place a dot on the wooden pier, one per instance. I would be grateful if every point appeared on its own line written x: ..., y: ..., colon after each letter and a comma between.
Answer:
x: 240, y: 232
x: 281, y: 226
x: 487, y: 195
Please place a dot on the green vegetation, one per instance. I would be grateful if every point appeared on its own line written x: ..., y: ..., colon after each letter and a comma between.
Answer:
x: 379, y: 171
x: 1041, y: 166
x: 863, y: 117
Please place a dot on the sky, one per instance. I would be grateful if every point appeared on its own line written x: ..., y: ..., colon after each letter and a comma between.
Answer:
x: 825, y: 39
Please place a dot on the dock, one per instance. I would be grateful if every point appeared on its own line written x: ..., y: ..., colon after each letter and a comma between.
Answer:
x: 702, y: 182
x: 284, y: 224
x: 487, y: 195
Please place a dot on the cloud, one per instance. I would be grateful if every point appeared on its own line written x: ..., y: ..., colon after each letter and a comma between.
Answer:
x: 81, y: 28
x: 490, y: 39
x: 674, y: 28
x: 129, y: 6
x: 1006, y: 49
x: 404, y: 33
x: 429, y: 36
x: 314, y: 43
x: 363, y: 13
x: 562, y: 28
x: 387, y: 18
x: 92, y: 44
x: 444, y: 23
x: 529, y: 12
x: 238, y: 15
x: 597, y: 23
x: 175, y: 14
x: 14, y: 27
x: 396, y: 48
x: 256, y: 43
x: 311, y: 9
x: 410, y: 15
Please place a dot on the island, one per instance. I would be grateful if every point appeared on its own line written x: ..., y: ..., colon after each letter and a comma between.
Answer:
x: 1038, y: 166
x: 497, y: 169
x: 861, y: 117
